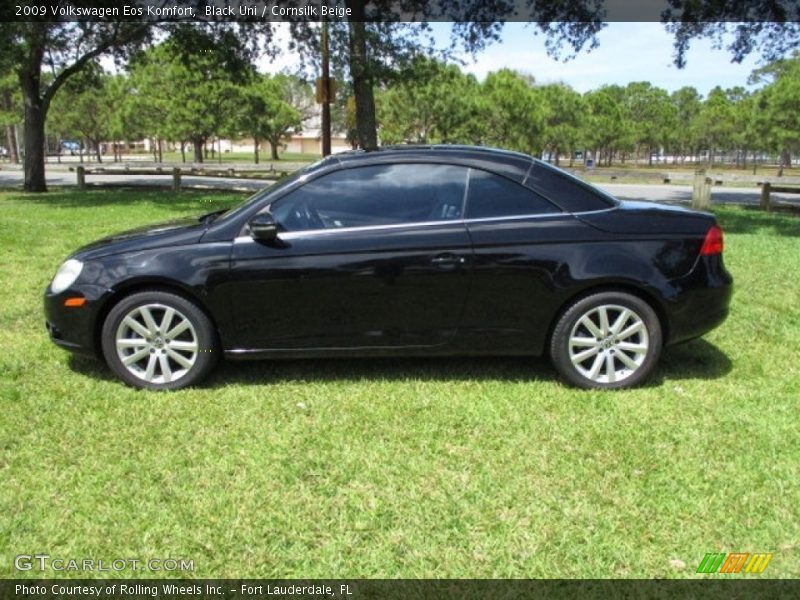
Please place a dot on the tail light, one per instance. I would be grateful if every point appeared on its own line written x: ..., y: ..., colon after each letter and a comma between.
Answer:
x: 713, y: 243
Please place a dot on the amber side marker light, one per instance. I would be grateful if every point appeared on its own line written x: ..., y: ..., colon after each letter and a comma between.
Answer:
x: 75, y: 302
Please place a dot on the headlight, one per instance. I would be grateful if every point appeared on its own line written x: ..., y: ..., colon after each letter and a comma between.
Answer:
x: 66, y: 275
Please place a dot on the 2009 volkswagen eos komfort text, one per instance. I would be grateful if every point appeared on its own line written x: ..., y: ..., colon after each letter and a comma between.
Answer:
x: 443, y: 250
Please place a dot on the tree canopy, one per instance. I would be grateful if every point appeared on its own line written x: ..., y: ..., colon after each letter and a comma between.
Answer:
x: 369, y: 53
x: 63, y: 49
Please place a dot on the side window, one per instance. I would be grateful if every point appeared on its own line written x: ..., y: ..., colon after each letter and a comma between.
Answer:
x: 565, y: 190
x: 491, y: 195
x: 374, y: 195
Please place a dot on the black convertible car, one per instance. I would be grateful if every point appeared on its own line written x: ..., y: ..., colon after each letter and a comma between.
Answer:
x: 435, y: 250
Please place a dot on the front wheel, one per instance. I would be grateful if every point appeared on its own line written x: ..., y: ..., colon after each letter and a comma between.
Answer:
x: 158, y: 340
x: 607, y: 340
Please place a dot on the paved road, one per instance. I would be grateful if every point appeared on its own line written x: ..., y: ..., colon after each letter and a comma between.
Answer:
x: 682, y: 194
x: 656, y: 193
x: 58, y: 178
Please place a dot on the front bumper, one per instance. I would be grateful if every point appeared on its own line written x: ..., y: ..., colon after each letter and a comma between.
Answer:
x: 74, y: 328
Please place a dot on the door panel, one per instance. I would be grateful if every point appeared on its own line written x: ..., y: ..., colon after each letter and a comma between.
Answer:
x: 350, y: 288
x: 524, y: 250
x: 523, y: 267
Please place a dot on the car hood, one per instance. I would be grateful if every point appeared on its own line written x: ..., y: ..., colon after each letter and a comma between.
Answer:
x: 172, y: 233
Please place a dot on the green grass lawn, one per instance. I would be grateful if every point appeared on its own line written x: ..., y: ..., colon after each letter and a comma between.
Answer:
x: 402, y: 468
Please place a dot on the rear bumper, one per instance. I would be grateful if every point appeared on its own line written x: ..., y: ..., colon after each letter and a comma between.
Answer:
x: 702, y: 301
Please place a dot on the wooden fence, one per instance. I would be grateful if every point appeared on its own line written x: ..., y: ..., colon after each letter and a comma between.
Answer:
x: 702, y: 182
x: 177, y: 173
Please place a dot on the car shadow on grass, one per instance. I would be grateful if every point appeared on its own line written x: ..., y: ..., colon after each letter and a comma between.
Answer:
x: 90, y: 367
x: 510, y: 369
x: 697, y: 359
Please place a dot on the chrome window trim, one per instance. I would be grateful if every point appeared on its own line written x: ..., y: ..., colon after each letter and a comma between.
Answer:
x: 594, y: 212
x: 290, y: 235
x: 519, y: 217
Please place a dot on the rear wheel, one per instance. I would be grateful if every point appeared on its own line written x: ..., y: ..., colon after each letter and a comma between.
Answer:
x: 158, y: 340
x: 607, y: 340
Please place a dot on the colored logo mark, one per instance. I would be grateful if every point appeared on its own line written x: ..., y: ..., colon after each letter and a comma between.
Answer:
x: 735, y: 562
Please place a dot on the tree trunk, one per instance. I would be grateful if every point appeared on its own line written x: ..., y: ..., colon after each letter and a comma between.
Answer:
x: 755, y: 162
x: 255, y: 149
x: 366, y: 124
x: 35, y: 113
x: 160, y: 152
x: 97, y: 152
x: 785, y: 158
x: 11, y: 132
x: 33, y: 127
x: 11, y: 141
x: 183, y: 151
x: 273, y: 145
x: 198, y: 149
x: 557, y: 156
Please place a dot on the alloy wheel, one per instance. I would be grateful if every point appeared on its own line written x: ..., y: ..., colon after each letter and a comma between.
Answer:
x: 156, y: 343
x: 608, y: 343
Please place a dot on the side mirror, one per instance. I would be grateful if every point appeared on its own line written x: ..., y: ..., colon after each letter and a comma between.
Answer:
x: 263, y: 227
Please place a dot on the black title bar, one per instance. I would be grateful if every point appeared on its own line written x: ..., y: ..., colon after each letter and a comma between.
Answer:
x: 391, y: 589
x: 401, y: 10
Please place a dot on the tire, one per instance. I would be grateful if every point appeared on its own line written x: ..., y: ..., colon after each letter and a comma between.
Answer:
x: 618, y: 350
x: 159, y: 341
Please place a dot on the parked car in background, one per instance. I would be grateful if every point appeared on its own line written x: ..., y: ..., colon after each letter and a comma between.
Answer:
x: 440, y: 250
x: 69, y: 147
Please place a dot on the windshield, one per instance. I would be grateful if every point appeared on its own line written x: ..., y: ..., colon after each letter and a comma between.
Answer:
x: 278, y: 185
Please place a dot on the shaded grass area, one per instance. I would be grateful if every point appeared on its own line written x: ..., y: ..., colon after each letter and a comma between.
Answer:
x: 783, y: 221
x: 403, y: 468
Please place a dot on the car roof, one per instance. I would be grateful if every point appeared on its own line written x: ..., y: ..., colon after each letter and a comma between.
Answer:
x: 511, y: 164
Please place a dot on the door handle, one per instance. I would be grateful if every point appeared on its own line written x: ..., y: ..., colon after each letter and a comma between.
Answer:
x: 448, y: 260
